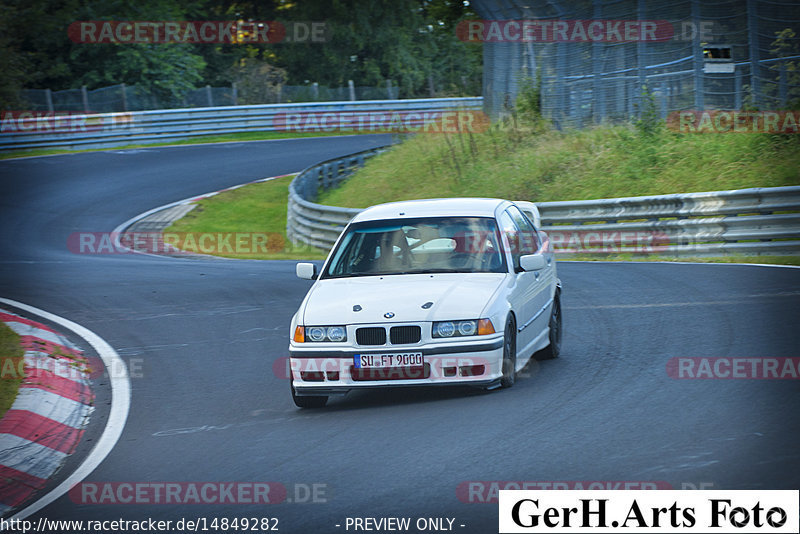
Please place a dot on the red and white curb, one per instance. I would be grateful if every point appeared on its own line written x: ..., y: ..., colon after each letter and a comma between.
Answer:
x: 117, y: 416
x: 46, y: 421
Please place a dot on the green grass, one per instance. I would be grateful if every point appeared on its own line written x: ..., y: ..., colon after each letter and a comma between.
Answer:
x: 526, y: 164
x: 11, y: 356
x: 224, y: 138
x: 257, y: 208
x: 545, y: 165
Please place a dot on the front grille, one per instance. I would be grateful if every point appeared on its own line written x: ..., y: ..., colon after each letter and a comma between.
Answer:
x: 371, y: 336
x: 391, y: 373
x: 403, y: 335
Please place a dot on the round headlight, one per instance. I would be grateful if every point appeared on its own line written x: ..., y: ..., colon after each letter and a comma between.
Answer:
x: 467, y: 328
x: 316, y: 333
x: 445, y: 329
x: 336, y: 333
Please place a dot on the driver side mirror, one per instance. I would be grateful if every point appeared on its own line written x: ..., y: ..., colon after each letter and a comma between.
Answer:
x: 532, y: 262
x: 306, y: 271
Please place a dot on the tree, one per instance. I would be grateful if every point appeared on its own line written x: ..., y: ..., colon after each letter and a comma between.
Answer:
x: 785, y: 45
x: 38, y: 39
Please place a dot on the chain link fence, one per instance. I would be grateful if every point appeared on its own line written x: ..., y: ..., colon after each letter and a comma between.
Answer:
x: 121, y: 97
x: 717, y: 54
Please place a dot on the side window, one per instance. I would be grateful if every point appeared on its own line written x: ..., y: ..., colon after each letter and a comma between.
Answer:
x: 509, y: 228
x: 529, y: 239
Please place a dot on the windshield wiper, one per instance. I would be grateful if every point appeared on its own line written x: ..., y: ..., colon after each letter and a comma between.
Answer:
x: 349, y: 275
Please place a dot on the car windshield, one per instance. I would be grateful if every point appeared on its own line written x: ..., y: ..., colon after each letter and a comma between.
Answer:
x: 418, y: 246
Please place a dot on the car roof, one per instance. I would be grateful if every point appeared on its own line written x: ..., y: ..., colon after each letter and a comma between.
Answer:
x: 432, y: 207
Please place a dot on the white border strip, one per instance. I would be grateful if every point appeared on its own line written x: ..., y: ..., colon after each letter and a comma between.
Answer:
x: 120, y: 406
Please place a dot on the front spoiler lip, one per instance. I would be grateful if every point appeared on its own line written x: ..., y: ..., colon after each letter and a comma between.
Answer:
x: 349, y: 352
x: 312, y: 391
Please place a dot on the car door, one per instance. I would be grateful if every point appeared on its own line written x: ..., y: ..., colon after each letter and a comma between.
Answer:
x: 539, y: 282
x: 523, y: 292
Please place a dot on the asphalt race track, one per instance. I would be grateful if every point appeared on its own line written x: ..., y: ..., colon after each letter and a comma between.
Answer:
x: 202, y: 337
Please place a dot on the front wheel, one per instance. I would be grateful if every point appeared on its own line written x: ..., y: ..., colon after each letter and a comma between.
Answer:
x: 556, y: 332
x: 509, y: 354
x: 308, y: 402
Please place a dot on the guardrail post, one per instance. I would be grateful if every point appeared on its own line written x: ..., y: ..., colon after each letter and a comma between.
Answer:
x: 209, y: 96
x: 737, y: 88
x: 48, y: 95
x: 352, y: 89
x: 697, y: 52
x: 640, y: 63
x: 755, y: 74
x: 598, y: 56
x: 124, y: 98
x: 85, y: 98
x: 234, y: 94
x: 326, y: 180
x: 782, y: 85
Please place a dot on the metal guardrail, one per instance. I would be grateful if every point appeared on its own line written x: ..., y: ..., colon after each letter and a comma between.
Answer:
x: 751, y: 221
x: 107, y: 130
x: 316, y: 224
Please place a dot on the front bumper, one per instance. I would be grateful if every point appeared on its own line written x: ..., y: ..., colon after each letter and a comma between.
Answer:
x: 316, y: 371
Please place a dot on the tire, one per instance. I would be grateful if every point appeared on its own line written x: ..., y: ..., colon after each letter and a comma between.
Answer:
x: 553, y: 350
x: 308, y: 402
x: 509, y: 353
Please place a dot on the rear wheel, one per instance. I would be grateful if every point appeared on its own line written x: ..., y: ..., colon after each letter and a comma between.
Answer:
x: 556, y: 332
x: 308, y: 402
x: 509, y: 353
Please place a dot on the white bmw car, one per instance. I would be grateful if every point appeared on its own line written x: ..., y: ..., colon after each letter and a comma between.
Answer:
x: 458, y: 291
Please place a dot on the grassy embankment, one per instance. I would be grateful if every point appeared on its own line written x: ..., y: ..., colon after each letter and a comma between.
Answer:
x: 257, y: 208
x: 11, y: 358
x: 534, y: 163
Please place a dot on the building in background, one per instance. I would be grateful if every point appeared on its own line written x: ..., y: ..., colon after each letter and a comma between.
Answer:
x: 595, y: 56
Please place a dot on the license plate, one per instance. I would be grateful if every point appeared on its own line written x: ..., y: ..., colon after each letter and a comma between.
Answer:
x: 382, y: 361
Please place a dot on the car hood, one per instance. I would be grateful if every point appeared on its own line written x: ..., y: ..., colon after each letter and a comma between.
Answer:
x: 453, y: 296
